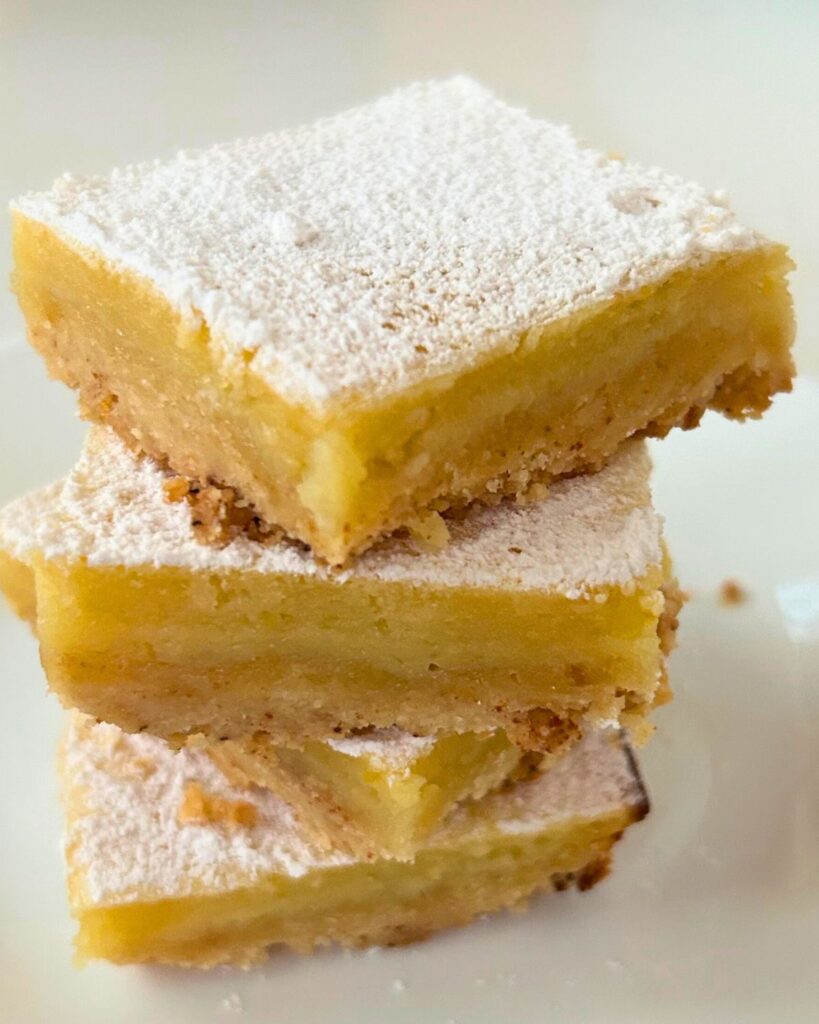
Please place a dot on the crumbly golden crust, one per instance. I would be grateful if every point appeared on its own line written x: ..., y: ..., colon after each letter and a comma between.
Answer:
x: 218, y: 512
x: 216, y: 713
x: 731, y: 592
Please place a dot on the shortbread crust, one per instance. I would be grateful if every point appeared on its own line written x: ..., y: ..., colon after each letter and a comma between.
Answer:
x: 430, y: 299
x: 150, y: 882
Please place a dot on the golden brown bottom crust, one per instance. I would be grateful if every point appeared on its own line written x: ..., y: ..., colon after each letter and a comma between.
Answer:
x: 183, y: 711
x: 215, y: 718
x: 233, y: 701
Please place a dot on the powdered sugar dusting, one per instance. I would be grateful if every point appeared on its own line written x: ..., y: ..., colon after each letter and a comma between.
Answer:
x: 21, y: 519
x: 124, y: 842
x: 406, y: 239
x: 391, y: 749
x: 589, y: 532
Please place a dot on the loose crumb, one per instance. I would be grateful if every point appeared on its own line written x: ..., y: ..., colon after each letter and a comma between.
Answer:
x: 533, y: 493
x: 218, y: 513
x: 732, y: 593
x: 199, y: 808
x: 398, y: 985
x: 430, y: 532
x: 176, y: 488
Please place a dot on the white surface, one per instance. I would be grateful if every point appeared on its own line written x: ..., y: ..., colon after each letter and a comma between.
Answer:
x: 712, y: 914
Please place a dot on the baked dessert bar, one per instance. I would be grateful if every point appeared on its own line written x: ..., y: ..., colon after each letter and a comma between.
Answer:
x: 169, y: 863
x: 380, y: 793
x: 535, y: 619
x: 377, y: 793
x: 430, y: 299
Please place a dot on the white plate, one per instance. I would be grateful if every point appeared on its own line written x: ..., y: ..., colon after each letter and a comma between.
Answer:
x: 712, y: 913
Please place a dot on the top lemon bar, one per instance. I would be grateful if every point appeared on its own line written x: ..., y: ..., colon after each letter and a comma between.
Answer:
x: 427, y: 300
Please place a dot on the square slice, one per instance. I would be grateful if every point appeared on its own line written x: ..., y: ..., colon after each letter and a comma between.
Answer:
x: 424, y: 301
x: 169, y: 863
x: 380, y: 793
x: 535, y: 619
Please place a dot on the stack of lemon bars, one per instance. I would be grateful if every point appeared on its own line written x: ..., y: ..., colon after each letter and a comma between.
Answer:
x: 356, y: 593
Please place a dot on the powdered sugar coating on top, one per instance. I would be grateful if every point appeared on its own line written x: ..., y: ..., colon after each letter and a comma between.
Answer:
x: 589, y: 532
x: 409, y: 238
x: 124, y: 842
x: 124, y: 794
x: 22, y: 519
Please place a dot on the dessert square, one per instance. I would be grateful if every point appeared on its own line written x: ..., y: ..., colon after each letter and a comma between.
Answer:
x: 376, y: 793
x: 431, y: 299
x: 169, y: 863
x: 379, y: 793
x: 536, y: 619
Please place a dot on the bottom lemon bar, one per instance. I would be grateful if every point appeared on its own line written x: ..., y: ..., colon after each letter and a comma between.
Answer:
x: 168, y: 862
x: 379, y: 793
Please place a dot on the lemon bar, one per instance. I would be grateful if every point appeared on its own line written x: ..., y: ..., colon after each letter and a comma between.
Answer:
x: 431, y: 299
x: 380, y: 793
x: 377, y: 793
x: 534, y: 620
x: 167, y: 862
